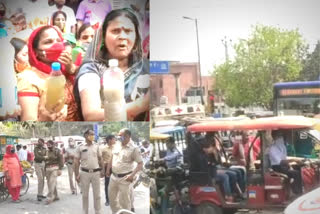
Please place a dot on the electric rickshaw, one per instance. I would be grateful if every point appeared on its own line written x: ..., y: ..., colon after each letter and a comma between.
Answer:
x: 170, y: 192
x: 265, y: 188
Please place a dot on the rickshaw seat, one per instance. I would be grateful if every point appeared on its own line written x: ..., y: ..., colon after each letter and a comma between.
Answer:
x: 279, y: 174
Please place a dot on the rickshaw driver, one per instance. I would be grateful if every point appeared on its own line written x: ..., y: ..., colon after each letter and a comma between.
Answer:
x: 279, y: 162
x: 173, y: 156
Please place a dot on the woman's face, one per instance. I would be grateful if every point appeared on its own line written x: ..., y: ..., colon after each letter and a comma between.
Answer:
x: 22, y: 56
x: 47, y: 39
x: 120, y: 37
x: 87, y: 35
x: 60, y: 22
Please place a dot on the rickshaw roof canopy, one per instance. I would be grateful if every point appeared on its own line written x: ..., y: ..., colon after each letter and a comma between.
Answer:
x: 168, y: 129
x: 269, y: 123
x: 158, y: 136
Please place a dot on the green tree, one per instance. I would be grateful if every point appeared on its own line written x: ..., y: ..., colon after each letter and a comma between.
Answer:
x: 268, y: 56
x: 311, y: 69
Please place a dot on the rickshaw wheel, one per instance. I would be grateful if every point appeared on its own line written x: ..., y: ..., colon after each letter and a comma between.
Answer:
x: 4, y: 194
x: 25, y: 186
x: 208, y: 208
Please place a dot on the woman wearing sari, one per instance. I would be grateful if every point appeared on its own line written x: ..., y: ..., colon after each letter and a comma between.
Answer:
x: 45, y: 47
x: 13, y: 172
x: 118, y: 39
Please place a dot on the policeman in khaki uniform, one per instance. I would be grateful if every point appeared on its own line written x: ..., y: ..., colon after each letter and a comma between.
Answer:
x: 54, y: 164
x: 39, y: 157
x: 124, y: 156
x: 106, y: 156
x: 88, y: 159
x: 69, y: 157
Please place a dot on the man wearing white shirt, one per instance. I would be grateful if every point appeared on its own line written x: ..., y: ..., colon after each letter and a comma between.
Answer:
x: 22, y: 153
x: 146, y: 151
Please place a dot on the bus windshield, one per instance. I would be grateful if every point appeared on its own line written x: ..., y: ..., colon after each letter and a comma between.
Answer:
x: 297, y: 98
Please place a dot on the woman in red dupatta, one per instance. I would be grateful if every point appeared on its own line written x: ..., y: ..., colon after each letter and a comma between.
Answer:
x: 46, y: 46
x: 13, y: 172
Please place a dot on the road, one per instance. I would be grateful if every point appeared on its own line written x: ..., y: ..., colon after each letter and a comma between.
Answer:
x: 68, y: 203
x: 260, y: 212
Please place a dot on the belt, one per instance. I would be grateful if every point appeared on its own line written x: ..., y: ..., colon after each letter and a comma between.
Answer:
x: 91, y: 170
x: 121, y: 175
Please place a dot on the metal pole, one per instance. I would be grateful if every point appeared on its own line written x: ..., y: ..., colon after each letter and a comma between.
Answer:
x: 199, y: 64
x: 177, y: 79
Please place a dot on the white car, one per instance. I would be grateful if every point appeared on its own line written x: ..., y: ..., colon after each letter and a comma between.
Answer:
x: 306, y: 204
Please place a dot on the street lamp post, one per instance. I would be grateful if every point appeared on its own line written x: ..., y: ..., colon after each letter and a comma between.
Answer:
x: 196, y: 22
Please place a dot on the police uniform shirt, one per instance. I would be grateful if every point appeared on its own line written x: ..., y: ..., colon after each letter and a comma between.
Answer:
x: 39, y: 154
x: 124, y: 157
x: 88, y: 156
x: 70, y: 152
x: 54, y: 158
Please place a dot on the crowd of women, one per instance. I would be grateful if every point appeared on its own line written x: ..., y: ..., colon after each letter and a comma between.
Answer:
x: 83, y: 50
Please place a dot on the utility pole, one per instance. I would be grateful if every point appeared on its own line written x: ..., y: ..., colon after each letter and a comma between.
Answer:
x: 199, y: 64
x: 225, y: 44
x: 178, y: 96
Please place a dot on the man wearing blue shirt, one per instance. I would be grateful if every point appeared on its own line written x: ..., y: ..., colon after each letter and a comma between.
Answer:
x: 173, y: 156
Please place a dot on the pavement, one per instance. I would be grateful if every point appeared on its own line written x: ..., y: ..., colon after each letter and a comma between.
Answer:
x: 68, y: 203
x: 260, y: 212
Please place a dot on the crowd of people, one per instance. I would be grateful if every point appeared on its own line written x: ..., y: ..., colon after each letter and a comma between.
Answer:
x: 82, y: 39
x: 118, y: 160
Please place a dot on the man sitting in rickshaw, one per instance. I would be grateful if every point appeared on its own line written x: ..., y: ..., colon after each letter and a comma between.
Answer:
x: 279, y: 162
x: 173, y: 156
x: 219, y: 169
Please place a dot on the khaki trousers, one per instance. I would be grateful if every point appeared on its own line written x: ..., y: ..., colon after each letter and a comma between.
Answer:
x: 71, y: 175
x: 86, y: 179
x: 120, y: 194
x: 39, y: 167
x: 51, y: 175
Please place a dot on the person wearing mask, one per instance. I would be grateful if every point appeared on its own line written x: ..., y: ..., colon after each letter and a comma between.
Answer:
x: 45, y: 47
x: 39, y: 158
x: 279, y: 162
x: 70, y: 154
x: 13, y: 172
x: 84, y: 37
x: 119, y: 38
x: 106, y: 156
x: 88, y: 159
x: 124, y: 157
x: 21, y: 57
x: 53, y: 166
x: 173, y: 156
